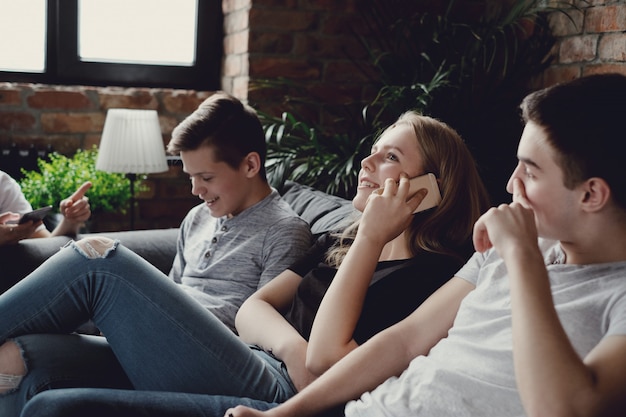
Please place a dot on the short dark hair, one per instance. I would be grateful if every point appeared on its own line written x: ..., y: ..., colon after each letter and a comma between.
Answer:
x: 584, y: 121
x: 222, y: 121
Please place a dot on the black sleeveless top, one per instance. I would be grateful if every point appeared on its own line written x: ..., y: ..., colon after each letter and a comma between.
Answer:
x: 398, y: 288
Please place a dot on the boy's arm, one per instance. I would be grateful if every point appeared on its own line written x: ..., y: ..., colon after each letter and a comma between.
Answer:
x: 285, y: 242
x: 384, y: 355
x: 551, y: 377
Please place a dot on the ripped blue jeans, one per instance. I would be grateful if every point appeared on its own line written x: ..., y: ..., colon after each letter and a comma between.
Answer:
x: 156, y: 337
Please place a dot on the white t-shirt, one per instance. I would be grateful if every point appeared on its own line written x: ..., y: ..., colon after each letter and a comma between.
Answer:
x: 470, y: 373
x: 11, y: 196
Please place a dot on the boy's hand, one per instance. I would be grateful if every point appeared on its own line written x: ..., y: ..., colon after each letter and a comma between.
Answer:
x: 507, y: 226
x: 389, y: 210
x: 76, y: 208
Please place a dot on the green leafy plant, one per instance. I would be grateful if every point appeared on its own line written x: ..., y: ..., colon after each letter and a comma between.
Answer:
x: 304, y: 153
x: 466, y: 63
x: 58, y: 177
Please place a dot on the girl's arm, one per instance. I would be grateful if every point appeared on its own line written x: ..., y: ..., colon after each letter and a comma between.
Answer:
x: 259, y: 321
x: 384, y: 355
x: 338, y: 314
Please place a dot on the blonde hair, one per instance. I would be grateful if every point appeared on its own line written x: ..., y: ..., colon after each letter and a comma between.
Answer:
x: 447, y: 228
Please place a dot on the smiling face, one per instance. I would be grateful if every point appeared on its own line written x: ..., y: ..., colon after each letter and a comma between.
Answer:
x: 554, y: 204
x: 225, y: 190
x: 395, y: 153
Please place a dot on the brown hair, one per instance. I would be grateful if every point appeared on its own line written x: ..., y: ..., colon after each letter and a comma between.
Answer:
x: 447, y: 228
x: 583, y: 120
x: 225, y: 123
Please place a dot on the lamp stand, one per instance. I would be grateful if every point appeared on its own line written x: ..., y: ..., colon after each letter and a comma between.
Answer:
x: 132, y: 177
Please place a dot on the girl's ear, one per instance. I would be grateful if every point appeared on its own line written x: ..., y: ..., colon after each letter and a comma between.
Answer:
x: 251, y: 164
x: 596, y: 194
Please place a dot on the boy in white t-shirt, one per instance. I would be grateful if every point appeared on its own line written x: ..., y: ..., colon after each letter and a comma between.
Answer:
x: 535, y: 323
x: 75, y: 210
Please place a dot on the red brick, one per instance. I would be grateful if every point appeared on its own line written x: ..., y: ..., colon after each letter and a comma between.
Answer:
x: 181, y: 102
x: 605, y: 68
x: 567, y: 22
x: 234, y: 65
x: 240, y: 87
x: 606, y: 19
x: 72, y: 122
x: 285, y: 20
x: 62, y: 100
x: 17, y: 121
x: 337, y: 72
x: 237, y: 43
x: 271, y: 43
x: 329, y: 5
x: 236, y: 21
x: 561, y: 73
x: 328, y: 47
x: 612, y: 47
x: 128, y: 98
x: 229, y: 6
x: 578, y: 49
x: 282, y: 67
x: 10, y: 96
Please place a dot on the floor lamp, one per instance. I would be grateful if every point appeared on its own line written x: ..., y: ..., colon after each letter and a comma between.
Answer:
x: 131, y: 144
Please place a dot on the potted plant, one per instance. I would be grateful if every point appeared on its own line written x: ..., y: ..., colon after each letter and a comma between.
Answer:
x: 59, y: 176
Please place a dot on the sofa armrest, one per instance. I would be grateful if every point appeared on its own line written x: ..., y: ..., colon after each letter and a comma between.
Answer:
x: 22, y: 258
x: 157, y: 246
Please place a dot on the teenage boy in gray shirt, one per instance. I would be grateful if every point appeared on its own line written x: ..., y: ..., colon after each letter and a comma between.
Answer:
x: 243, y: 234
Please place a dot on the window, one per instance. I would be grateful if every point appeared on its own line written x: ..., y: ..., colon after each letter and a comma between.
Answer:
x: 141, y: 43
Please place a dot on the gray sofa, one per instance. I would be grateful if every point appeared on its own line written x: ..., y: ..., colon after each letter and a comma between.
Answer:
x: 322, y: 211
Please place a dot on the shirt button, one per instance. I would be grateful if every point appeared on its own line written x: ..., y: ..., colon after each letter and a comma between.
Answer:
x: 224, y: 228
x: 207, y: 255
x: 214, y: 240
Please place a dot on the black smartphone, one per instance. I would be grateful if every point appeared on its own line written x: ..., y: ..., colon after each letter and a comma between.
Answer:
x: 35, y: 215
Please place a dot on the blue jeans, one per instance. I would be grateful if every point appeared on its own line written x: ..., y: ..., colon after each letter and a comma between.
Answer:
x: 157, y: 337
x: 95, y: 402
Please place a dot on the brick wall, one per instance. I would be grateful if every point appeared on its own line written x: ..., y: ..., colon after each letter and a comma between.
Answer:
x: 69, y: 118
x: 591, y: 40
x: 304, y: 40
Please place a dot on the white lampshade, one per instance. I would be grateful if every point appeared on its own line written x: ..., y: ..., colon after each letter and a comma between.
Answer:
x: 131, y: 142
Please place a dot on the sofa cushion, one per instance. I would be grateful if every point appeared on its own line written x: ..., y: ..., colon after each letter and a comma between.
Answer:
x: 323, y: 212
x: 157, y: 246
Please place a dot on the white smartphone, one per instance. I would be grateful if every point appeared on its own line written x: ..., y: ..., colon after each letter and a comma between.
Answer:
x: 34, y: 215
x: 428, y: 181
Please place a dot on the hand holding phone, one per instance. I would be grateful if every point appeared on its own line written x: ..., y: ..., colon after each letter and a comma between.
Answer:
x: 428, y: 181
x: 35, y: 215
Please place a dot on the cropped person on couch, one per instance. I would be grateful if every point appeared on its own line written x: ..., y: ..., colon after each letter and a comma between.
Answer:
x: 535, y: 323
x: 362, y: 281
x: 75, y: 210
x: 243, y: 234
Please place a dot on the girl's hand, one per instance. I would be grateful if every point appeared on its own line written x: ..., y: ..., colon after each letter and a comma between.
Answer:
x: 242, y: 411
x: 389, y: 210
x: 76, y: 207
x: 508, y: 226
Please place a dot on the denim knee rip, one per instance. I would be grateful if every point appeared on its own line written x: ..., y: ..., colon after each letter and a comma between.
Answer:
x: 12, y: 382
x: 94, y: 247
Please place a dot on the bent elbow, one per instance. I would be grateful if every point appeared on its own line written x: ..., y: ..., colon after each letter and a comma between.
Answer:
x: 317, y: 364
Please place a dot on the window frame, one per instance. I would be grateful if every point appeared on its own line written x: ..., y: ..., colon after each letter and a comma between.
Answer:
x: 64, y: 67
